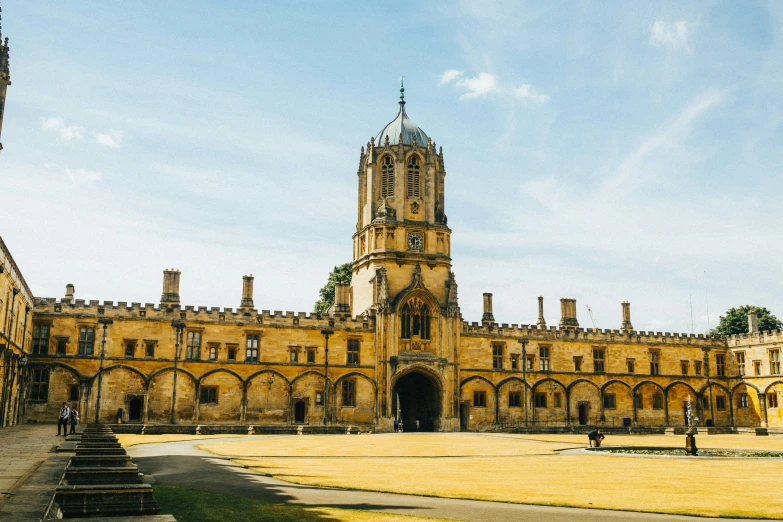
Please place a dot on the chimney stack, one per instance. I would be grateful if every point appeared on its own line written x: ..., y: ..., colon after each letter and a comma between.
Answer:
x: 753, y: 322
x: 69, y: 290
x: 626, y: 326
x: 487, y: 317
x: 247, y: 291
x: 170, y: 296
x: 541, y: 323
x: 568, y: 313
x: 342, y: 296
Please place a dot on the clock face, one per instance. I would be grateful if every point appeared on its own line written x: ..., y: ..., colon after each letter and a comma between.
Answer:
x: 415, y: 241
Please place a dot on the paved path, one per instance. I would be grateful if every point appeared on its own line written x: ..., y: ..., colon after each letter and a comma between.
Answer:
x: 182, y: 464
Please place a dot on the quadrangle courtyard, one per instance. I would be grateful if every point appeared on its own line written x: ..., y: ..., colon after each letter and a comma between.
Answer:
x: 545, y: 469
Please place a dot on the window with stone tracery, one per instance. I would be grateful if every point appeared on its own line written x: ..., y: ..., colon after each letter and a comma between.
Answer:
x: 413, y: 177
x: 415, y: 320
x: 387, y: 177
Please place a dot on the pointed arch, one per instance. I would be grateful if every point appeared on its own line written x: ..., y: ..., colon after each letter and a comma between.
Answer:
x: 268, y: 370
x: 413, y: 166
x: 386, y: 163
x: 655, y: 384
x: 675, y: 383
x: 719, y: 385
x: 766, y: 390
x: 743, y: 383
x: 224, y: 370
x: 171, y: 369
x: 588, y: 381
x: 549, y: 379
x: 418, y: 368
x: 64, y: 366
x: 616, y: 381
x: 131, y: 369
x: 355, y: 374
x: 476, y: 377
x: 308, y: 372
x: 416, y: 319
x: 510, y: 379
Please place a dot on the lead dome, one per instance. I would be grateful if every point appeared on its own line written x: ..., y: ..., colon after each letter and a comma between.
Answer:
x: 401, y: 125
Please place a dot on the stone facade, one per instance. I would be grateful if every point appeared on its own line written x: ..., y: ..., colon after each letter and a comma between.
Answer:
x: 393, y: 345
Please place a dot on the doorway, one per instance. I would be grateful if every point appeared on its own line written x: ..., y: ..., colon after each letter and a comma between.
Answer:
x: 583, y: 409
x: 299, y: 412
x: 416, y: 397
x: 463, y: 417
x: 135, y: 408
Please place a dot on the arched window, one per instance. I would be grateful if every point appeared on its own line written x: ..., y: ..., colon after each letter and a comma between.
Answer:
x: 413, y: 177
x: 415, y: 320
x: 387, y: 177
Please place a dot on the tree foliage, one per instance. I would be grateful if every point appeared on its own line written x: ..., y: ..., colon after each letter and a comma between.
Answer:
x: 340, y: 274
x: 736, y: 321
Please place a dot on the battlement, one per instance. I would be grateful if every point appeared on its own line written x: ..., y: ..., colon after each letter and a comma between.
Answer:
x: 748, y: 339
x: 554, y: 333
x: 198, y: 314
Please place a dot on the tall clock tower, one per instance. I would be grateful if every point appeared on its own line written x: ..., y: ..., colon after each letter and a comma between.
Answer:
x: 5, y: 74
x: 402, y: 274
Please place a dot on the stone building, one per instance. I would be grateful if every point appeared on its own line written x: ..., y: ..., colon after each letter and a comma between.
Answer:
x: 393, y: 345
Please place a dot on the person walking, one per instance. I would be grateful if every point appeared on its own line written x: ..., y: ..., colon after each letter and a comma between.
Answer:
x: 74, y: 420
x: 62, y: 420
x: 396, y: 425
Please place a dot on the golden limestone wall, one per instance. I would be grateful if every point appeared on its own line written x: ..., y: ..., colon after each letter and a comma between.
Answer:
x: 16, y: 319
x: 758, y: 359
x: 138, y: 374
x: 567, y: 387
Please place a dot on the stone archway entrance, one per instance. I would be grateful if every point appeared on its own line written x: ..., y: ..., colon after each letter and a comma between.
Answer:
x: 417, y: 397
x: 299, y: 412
x: 583, y: 413
x: 135, y: 409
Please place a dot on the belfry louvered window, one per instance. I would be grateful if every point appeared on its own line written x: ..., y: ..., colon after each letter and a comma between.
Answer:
x: 387, y: 177
x: 415, y: 319
x: 413, y: 177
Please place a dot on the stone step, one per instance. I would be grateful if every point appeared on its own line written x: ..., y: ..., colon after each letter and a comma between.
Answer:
x: 76, y: 476
x: 101, y: 461
x: 105, y: 500
x: 100, y: 450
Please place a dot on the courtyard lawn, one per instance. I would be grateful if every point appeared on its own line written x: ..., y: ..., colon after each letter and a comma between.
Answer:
x: 190, y: 505
x: 527, y: 469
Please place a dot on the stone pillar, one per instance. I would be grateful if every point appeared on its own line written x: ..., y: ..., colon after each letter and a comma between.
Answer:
x: 763, y: 408
x: 170, y: 296
x: 568, y: 313
x: 342, y: 299
x: 541, y: 323
x: 753, y: 322
x: 247, y: 291
x: 626, y: 326
x: 69, y: 290
x: 487, y: 317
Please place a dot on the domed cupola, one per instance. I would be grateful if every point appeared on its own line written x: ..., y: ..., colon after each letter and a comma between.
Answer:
x: 401, y: 125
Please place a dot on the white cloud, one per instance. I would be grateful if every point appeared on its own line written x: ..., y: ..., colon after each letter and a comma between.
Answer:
x: 528, y: 93
x: 81, y: 176
x: 112, y: 138
x: 63, y: 131
x: 673, y: 35
x: 449, y: 76
x: 477, y: 86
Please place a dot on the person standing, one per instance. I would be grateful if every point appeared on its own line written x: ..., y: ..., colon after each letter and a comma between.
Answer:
x: 396, y: 425
x: 74, y: 420
x: 62, y: 420
x: 418, y: 425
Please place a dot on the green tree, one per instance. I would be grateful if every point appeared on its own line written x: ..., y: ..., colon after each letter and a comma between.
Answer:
x: 736, y: 321
x: 340, y: 274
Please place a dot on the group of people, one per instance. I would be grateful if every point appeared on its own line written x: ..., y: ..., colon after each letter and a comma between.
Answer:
x: 68, y: 416
x: 398, y: 425
x: 595, y: 437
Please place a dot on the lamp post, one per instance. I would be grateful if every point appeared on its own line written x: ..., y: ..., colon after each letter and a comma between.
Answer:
x: 105, y: 321
x: 523, y: 341
x: 178, y: 326
x: 326, y: 332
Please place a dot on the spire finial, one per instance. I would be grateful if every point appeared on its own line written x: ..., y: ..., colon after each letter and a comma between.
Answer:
x: 402, y: 91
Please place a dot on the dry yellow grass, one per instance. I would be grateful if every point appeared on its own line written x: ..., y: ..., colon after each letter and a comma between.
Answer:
x: 526, y: 469
x: 127, y: 439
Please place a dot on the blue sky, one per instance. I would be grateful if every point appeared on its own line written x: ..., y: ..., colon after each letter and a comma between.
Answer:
x: 604, y: 151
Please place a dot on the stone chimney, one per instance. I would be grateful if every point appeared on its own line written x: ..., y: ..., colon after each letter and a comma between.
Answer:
x: 487, y: 317
x: 342, y: 298
x: 170, y: 296
x: 69, y: 290
x: 753, y: 322
x: 247, y: 291
x: 626, y: 326
x: 568, y: 313
x: 541, y: 323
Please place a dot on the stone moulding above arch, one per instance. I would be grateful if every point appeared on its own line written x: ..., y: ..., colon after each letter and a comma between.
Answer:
x: 616, y: 381
x: 50, y: 365
x: 308, y: 372
x: 131, y: 369
x: 655, y: 384
x: 675, y: 383
x: 355, y: 374
x: 719, y: 385
x: 546, y: 379
x: 588, y: 381
x: 268, y: 370
x: 221, y: 370
x: 171, y: 369
x: 766, y: 390
x: 416, y: 289
x: 749, y: 385
x: 420, y: 368
x: 477, y: 377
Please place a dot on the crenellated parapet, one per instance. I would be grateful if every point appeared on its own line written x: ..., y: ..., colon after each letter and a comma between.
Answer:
x: 50, y: 306
x: 599, y: 336
x: 749, y: 339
